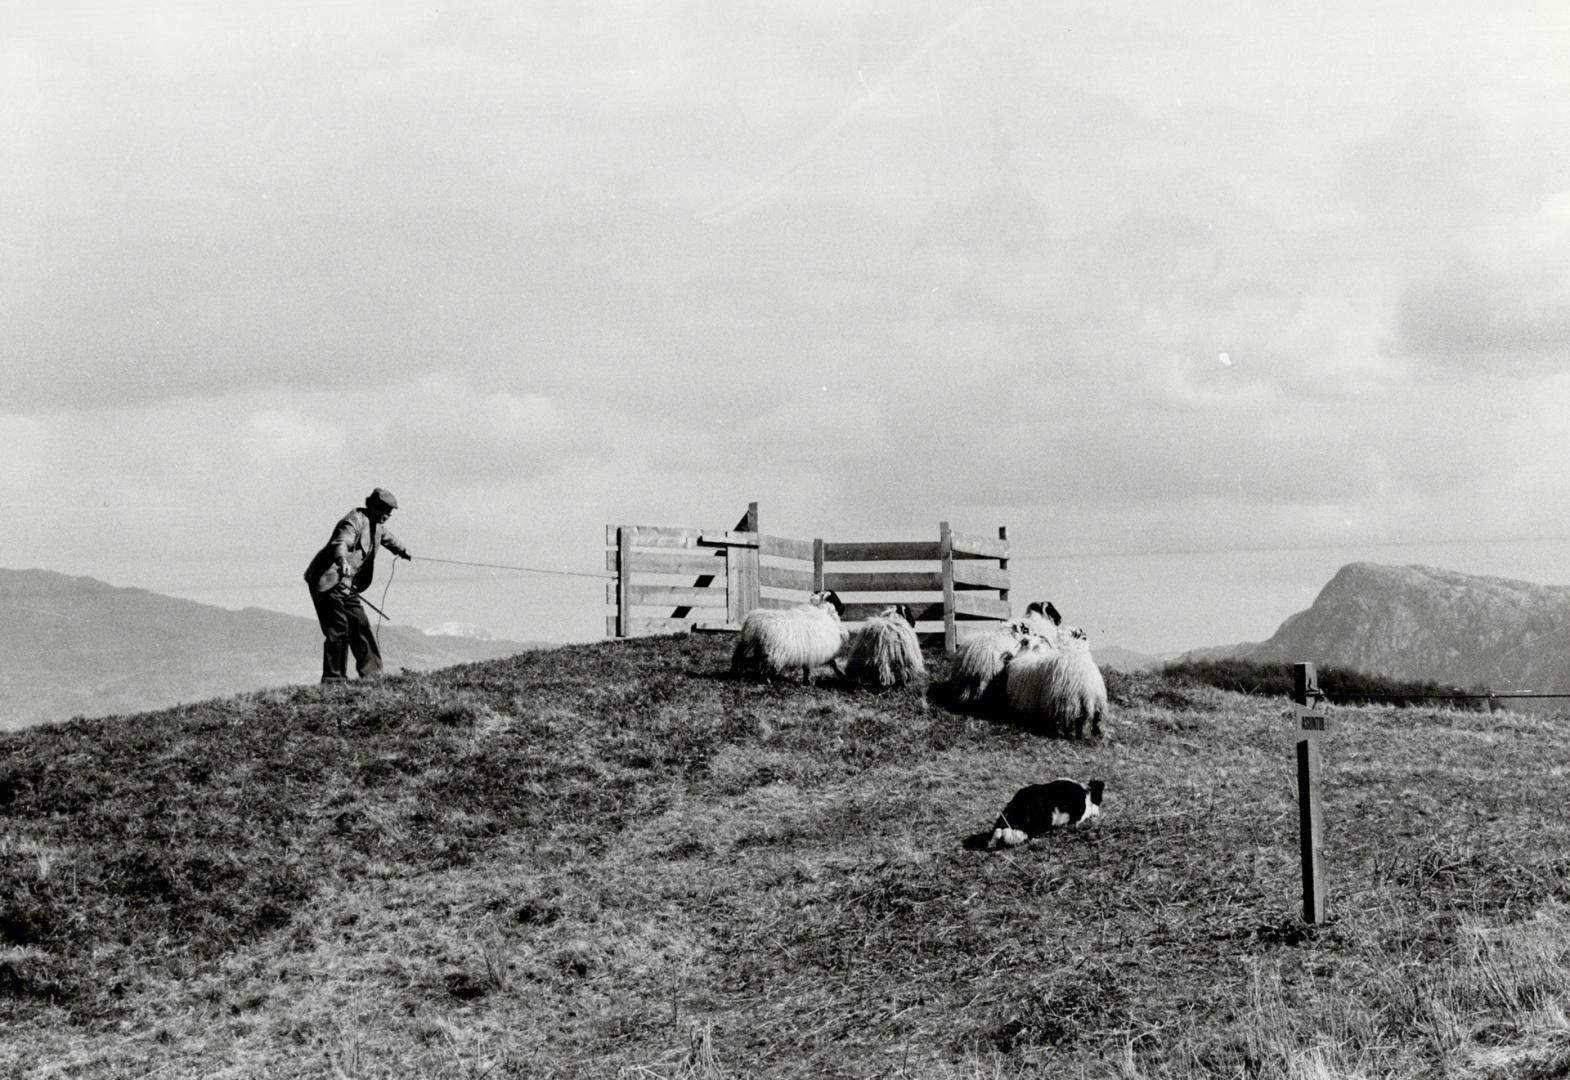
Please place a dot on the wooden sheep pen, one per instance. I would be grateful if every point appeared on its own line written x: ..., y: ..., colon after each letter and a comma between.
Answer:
x: 673, y: 580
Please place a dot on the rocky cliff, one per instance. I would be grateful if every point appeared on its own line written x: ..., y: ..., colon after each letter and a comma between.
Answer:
x: 1421, y: 622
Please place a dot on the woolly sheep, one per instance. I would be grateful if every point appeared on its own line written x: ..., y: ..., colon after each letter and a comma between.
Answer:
x: 1028, y: 677
x: 777, y: 641
x: 1054, y: 686
x: 1078, y: 686
x: 979, y: 661
x: 885, y: 652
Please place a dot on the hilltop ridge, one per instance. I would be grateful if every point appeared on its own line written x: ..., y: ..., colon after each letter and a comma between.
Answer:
x: 609, y: 860
x: 77, y: 646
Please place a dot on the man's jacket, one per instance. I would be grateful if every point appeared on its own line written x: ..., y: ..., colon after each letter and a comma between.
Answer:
x: 354, y: 539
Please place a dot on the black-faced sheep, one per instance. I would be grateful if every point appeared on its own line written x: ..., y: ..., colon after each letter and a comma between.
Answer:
x: 1053, y: 686
x: 979, y: 661
x: 1042, y: 618
x: 780, y: 641
x: 885, y: 651
x: 1078, y: 686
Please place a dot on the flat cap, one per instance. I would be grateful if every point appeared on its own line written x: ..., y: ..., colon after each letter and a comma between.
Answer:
x: 383, y: 496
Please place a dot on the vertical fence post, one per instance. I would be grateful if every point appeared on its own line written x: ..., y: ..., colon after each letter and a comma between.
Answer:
x: 747, y: 560
x: 1003, y: 564
x: 748, y: 579
x: 946, y: 554
x: 817, y: 564
x: 623, y: 580
x: 735, y: 602
x: 1311, y: 723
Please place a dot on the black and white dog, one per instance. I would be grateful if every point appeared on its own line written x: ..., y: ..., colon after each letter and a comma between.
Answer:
x: 1040, y: 808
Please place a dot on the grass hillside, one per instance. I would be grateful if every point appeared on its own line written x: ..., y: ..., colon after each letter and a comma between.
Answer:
x: 75, y: 646
x: 614, y: 861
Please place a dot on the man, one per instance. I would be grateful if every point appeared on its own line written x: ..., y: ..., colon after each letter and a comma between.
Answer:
x: 336, y: 577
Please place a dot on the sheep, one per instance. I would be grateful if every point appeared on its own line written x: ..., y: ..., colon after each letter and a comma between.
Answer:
x: 775, y: 641
x: 1053, y: 685
x: 885, y: 652
x: 978, y: 663
x: 1028, y: 677
x: 1077, y: 684
x: 1042, y: 618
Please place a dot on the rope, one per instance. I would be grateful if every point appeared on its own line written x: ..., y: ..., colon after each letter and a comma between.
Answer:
x: 460, y: 562
x: 379, y: 613
x: 523, y: 569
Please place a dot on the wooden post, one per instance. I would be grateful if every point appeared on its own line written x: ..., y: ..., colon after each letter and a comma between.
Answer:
x: 742, y: 589
x: 749, y: 583
x: 817, y: 564
x: 1003, y: 564
x: 735, y: 603
x: 1311, y: 722
x: 623, y: 580
x: 946, y: 553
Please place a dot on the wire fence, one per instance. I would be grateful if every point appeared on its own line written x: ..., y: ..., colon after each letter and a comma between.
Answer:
x: 1495, y: 699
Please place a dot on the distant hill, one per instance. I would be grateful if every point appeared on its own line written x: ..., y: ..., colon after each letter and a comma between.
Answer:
x: 1115, y: 656
x: 76, y: 646
x: 1421, y: 623
x: 460, y: 629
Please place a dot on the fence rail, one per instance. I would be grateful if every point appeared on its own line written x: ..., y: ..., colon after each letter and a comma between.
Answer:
x: 694, y: 574
x: 1495, y: 698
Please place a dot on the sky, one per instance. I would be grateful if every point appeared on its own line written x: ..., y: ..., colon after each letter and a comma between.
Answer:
x: 1201, y: 302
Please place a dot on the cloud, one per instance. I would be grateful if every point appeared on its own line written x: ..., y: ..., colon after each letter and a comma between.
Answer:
x: 441, y: 427
x: 284, y: 438
x: 1512, y: 322
x: 1462, y: 199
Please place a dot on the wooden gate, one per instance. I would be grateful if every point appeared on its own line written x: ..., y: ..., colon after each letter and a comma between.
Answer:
x: 674, y: 580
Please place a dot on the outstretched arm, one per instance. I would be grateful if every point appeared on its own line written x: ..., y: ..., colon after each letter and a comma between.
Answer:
x: 394, y: 545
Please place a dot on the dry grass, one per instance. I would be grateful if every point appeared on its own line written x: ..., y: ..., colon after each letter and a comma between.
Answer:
x: 612, y: 861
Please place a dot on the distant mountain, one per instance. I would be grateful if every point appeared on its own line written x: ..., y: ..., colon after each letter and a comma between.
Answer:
x: 75, y: 646
x: 1220, y: 652
x: 1115, y: 656
x: 460, y: 629
x: 1424, y: 623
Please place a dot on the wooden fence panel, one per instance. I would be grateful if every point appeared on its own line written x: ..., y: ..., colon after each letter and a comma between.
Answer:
x: 928, y: 612
x: 668, y: 595
x: 975, y: 605
x: 784, y: 577
x: 854, y: 582
x: 976, y: 575
x: 978, y: 547
x: 964, y: 631
x: 686, y: 562
x: 883, y: 551
x: 654, y: 536
x: 800, y: 550
x: 967, y: 589
x: 642, y: 625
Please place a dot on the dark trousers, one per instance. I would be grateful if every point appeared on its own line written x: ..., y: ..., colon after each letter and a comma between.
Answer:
x: 345, y: 629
